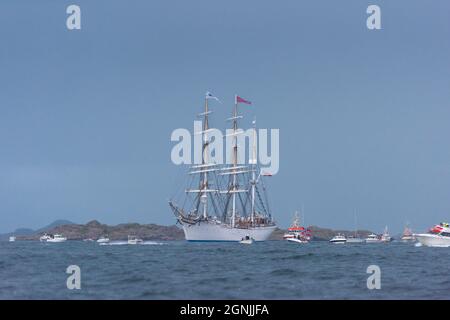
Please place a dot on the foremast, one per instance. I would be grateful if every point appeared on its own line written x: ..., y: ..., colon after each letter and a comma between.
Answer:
x: 205, y: 150
x: 203, y: 169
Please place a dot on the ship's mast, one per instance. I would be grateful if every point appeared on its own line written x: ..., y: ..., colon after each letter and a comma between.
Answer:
x: 204, y: 183
x: 253, y: 162
x: 235, y: 149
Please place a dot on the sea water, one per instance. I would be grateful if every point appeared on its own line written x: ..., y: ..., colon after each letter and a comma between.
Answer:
x: 182, y: 270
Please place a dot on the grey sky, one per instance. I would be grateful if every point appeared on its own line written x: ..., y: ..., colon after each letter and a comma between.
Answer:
x: 86, y: 116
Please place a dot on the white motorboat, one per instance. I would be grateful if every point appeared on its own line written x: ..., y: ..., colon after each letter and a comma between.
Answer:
x: 246, y: 240
x: 103, y: 239
x: 438, y: 236
x: 88, y: 240
x: 339, y: 239
x: 385, y: 237
x: 45, y: 237
x: 134, y: 240
x: 353, y: 239
x: 12, y: 239
x: 57, y: 238
x: 408, y: 235
x: 372, y: 238
x: 297, y: 233
x: 297, y: 240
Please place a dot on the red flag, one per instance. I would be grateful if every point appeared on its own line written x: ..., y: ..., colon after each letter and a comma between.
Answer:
x: 239, y: 99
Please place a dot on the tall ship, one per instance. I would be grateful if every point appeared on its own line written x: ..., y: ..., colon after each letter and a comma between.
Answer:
x: 225, y: 202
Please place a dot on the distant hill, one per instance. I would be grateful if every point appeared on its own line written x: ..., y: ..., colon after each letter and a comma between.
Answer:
x: 95, y: 229
x: 54, y: 224
x: 324, y: 234
x: 22, y: 232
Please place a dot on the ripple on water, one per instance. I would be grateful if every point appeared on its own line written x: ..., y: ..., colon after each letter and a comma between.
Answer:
x: 221, y: 271
x: 294, y: 257
x: 284, y: 272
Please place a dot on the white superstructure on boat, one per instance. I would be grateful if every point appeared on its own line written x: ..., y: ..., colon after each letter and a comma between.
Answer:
x: 45, y: 237
x: 57, y: 238
x: 352, y: 239
x: 103, y: 239
x: 373, y: 238
x: 408, y: 235
x: 134, y: 240
x: 386, y: 237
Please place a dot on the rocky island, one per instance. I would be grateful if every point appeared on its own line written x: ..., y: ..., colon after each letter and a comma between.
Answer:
x: 94, y: 230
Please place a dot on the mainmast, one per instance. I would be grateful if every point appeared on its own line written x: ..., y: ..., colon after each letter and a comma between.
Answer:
x: 205, y: 148
x: 235, y: 150
x: 253, y: 162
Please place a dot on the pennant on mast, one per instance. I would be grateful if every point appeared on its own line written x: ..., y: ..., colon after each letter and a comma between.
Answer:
x: 209, y: 95
x: 241, y: 100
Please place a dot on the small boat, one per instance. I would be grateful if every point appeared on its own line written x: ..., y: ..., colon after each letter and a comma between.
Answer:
x: 134, y: 240
x: 88, y: 240
x: 339, y: 239
x: 103, y: 239
x: 408, y: 235
x: 12, y: 239
x: 45, y: 237
x: 353, y: 239
x: 297, y: 233
x: 246, y: 240
x: 57, y: 238
x: 372, y: 238
x: 297, y: 239
x: 385, y: 237
x: 438, y: 236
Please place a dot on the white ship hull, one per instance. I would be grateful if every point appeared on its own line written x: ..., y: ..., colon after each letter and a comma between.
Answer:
x: 433, y: 240
x: 209, y: 231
